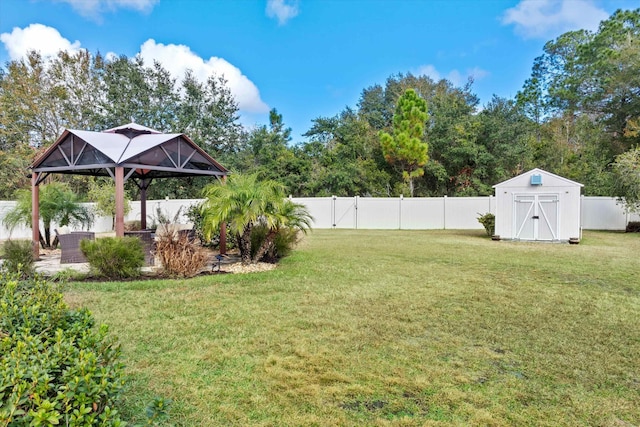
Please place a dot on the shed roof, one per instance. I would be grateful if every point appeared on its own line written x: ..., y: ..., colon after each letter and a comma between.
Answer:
x: 145, y: 153
x: 541, y: 172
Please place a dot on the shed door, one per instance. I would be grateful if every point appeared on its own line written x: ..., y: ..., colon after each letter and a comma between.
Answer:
x: 536, y: 217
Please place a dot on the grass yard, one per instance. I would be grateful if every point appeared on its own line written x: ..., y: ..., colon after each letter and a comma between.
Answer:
x: 391, y: 328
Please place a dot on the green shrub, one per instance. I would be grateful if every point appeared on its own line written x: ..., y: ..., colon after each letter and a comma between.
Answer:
x: 258, y: 234
x: 56, y: 368
x: 135, y: 225
x: 194, y: 214
x: 114, y: 257
x: 284, y: 242
x: 18, y: 257
x: 488, y: 220
x: 633, y: 227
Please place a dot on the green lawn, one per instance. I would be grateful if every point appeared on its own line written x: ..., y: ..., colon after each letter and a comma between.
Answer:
x: 391, y: 328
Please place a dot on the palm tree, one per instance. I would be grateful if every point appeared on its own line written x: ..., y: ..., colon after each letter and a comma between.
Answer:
x: 243, y: 202
x: 57, y: 204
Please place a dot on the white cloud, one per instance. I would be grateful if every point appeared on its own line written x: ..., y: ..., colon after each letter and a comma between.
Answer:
x: 548, y: 18
x: 454, y: 76
x: 94, y: 8
x: 477, y: 73
x: 38, y: 37
x: 282, y: 10
x: 178, y: 58
x: 174, y: 58
x: 429, y: 71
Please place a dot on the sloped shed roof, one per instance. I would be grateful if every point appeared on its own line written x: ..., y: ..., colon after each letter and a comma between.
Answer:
x: 144, y: 153
x: 523, y: 179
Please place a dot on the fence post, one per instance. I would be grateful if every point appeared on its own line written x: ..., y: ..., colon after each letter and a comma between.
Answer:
x: 333, y: 211
x: 581, y: 213
x: 355, y: 208
x: 400, y: 212
x: 444, y: 209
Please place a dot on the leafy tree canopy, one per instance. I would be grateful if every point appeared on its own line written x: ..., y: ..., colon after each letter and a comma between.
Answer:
x: 627, y: 178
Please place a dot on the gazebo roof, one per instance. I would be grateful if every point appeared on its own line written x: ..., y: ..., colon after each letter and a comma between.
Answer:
x: 144, y: 153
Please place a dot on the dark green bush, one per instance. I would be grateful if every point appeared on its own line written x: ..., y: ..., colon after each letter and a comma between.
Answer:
x: 284, y: 242
x: 114, y: 257
x: 488, y: 220
x: 258, y: 234
x: 18, y: 257
x: 194, y: 214
x: 633, y: 227
x: 56, y: 368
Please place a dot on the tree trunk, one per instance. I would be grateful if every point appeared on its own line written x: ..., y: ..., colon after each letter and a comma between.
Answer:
x: 266, y: 245
x: 47, y: 235
x: 410, y: 187
x: 245, y: 245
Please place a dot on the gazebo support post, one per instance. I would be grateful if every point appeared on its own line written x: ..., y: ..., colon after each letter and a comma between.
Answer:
x: 143, y: 204
x: 119, y: 177
x: 35, y: 215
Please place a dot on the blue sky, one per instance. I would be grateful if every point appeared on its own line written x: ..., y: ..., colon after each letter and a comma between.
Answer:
x: 308, y: 58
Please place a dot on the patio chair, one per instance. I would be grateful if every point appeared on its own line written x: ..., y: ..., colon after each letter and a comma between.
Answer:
x: 70, y: 246
x: 147, y: 239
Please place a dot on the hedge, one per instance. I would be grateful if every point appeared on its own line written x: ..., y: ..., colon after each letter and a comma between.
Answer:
x: 56, y: 367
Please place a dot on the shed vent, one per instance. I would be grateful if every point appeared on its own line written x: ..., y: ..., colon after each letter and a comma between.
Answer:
x: 536, y: 179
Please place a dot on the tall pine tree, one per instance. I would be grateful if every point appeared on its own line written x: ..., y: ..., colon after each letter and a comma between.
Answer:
x: 405, y: 148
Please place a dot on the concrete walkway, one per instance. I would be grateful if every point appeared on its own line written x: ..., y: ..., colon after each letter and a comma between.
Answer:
x: 49, y: 264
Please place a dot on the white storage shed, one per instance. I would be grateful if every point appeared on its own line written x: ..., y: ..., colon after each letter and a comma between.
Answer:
x: 538, y: 205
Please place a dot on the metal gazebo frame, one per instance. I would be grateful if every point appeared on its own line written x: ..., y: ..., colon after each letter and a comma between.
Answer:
x: 125, y: 152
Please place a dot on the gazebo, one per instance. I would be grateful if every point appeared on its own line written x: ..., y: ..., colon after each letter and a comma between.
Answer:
x: 125, y: 152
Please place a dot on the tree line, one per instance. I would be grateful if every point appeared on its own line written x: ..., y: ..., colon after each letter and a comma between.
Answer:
x: 578, y: 115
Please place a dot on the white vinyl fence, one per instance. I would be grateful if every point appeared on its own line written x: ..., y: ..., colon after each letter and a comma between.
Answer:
x: 420, y: 213
x: 604, y: 213
x: 424, y: 213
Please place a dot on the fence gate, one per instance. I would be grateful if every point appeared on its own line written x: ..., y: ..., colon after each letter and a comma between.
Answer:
x: 344, y: 212
x: 536, y: 217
